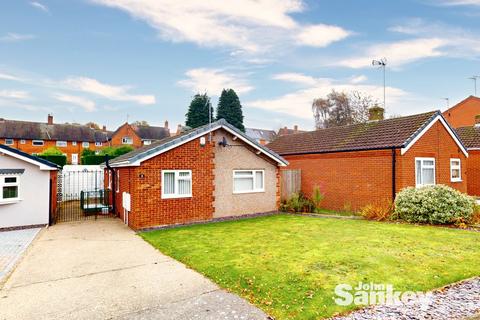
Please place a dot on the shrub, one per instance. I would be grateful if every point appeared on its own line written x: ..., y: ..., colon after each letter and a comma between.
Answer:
x: 114, y: 152
x: 60, y: 160
x: 317, y: 198
x: 379, y: 211
x: 52, y: 151
x: 298, y: 203
x: 434, y: 204
x: 93, y: 159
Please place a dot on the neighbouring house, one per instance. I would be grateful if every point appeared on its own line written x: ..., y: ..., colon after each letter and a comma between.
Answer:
x: 470, y: 137
x: 28, y: 189
x: 463, y: 113
x: 261, y: 136
x: 34, y: 137
x: 367, y: 163
x: 137, y: 136
x: 213, y: 171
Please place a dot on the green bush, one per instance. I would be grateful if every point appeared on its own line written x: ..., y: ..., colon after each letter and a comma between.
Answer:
x: 93, y: 159
x: 298, y: 203
x: 52, y: 151
x: 114, y: 152
x: 317, y: 198
x: 60, y: 160
x: 437, y: 204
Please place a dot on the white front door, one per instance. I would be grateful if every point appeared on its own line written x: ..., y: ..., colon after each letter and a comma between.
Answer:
x: 74, y: 158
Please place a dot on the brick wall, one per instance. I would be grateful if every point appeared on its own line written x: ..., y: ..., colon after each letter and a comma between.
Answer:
x: 473, y: 172
x: 144, y: 185
x: 355, y: 179
x: 463, y: 114
x: 70, y: 149
x: 126, y: 130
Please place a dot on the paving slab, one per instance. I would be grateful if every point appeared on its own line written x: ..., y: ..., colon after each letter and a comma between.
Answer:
x: 12, y: 246
x: 103, y: 270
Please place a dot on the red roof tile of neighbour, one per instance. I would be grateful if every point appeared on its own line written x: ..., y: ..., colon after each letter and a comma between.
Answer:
x: 396, y: 132
x: 470, y: 136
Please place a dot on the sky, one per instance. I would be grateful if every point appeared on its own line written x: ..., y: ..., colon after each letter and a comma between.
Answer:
x: 110, y: 61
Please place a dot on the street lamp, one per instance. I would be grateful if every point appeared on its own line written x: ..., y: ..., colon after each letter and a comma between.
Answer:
x: 382, y: 63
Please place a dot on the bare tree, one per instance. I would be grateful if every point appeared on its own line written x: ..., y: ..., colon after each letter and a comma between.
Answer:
x: 141, y: 123
x: 93, y: 125
x: 341, y: 108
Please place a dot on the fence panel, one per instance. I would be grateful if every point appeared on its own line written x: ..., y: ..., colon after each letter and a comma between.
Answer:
x: 291, y: 182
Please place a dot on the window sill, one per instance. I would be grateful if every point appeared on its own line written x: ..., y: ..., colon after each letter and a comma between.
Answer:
x: 248, y: 192
x: 456, y: 180
x: 10, y: 201
x: 177, y: 197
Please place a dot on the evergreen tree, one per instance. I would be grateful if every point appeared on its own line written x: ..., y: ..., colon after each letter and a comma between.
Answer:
x: 197, y: 114
x: 230, y: 109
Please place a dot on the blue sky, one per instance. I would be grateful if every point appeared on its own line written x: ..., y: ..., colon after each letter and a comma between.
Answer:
x: 106, y: 60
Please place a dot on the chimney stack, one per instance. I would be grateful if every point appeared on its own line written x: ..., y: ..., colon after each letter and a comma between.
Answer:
x: 295, y: 128
x: 104, y: 128
x: 375, y: 113
x: 50, y: 119
x: 166, y: 124
x: 179, y: 129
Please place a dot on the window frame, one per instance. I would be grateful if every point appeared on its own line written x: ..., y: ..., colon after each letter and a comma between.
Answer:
x: 125, y: 140
x: 4, y: 184
x: 85, y: 144
x: 254, y: 178
x: 177, y: 178
x: 147, y: 142
x: 38, y: 141
x: 422, y: 159
x: 459, y: 167
x: 74, y: 143
x: 98, y: 144
x: 22, y: 141
x: 61, y: 143
x: 9, y: 139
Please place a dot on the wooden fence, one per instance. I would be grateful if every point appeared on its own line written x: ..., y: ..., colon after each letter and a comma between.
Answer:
x: 291, y: 181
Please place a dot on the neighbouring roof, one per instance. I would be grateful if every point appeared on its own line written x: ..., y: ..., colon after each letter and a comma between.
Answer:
x: 391, y: 133
x: 260, y: 134
x: 461, y: 103
x: 41, y: 163
x: 14, y: 129
x: 470, y: 136
x: 135, y: 157
x: 151, y: 133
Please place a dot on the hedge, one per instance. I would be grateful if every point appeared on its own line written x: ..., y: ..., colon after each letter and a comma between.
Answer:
x: 61, y: 160
x: 93, y: 159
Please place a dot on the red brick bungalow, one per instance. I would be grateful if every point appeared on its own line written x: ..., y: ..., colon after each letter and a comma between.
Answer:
x: 210, y: 172
x: 470, y: 137
x: 361, y: 164
x: 463, y: 113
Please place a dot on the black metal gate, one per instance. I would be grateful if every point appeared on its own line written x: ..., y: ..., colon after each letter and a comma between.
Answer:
x: 82, y: 194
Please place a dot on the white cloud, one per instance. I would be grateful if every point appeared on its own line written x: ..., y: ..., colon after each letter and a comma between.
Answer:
x: 299, y: 103
x: 86, y: 104
x: 16, y: 37
x: 14, y: 94
x: 213, y: 81
x: 321, y: 35
x: 249, y: 25
x: 39, y: 6
x: 116, y: 93
x: 398, y: 53
x: 295, y: 78
x: 460, y: 2
x: 358, y: 79
x: 7, y: 76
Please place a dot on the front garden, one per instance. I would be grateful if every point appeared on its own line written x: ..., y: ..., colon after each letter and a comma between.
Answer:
x: 289, y: 265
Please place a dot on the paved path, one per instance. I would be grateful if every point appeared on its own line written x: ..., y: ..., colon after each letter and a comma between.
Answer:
x: 12, y: 245
x: 103, y: 270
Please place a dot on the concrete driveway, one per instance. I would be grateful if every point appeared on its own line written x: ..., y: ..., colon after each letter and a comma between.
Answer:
x: 103, y: 270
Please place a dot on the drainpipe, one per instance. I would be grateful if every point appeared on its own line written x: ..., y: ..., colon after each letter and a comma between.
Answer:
x: 114, y: 187
x: 394, y: 171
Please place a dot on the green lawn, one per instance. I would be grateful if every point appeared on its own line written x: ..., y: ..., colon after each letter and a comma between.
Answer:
x: 289, y: 265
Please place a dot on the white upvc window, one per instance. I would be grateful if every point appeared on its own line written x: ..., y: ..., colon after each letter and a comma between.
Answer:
x: 8, y: 142
x: 127, y: 140
x: 61, y: 143
x: 424, y: 171
x: 74, y: 143
x: 9, y: 185
x: 176, y: 184
x: 38, y: 143
x: 455, y: 170
x: 147, y: 142
x: 98, y: 144
x: 85, y: 144
x: 248, y: 181
x: 22, y: 141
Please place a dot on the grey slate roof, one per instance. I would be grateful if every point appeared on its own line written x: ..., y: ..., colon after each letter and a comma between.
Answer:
x: 151, y: 133
x: 26, y: 155
x: 157, y: 146
x: 14, y: 129
x: 260, y: 134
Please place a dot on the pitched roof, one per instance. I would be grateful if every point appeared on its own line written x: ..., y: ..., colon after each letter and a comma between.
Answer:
x: 260, y: 134
x: 41, y: 163
x: 384, y: 134
x: 470, y: 136
x: 151, y: 133
x: 15, y: 129
x: 135, y: 157
x: 461, y: 103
